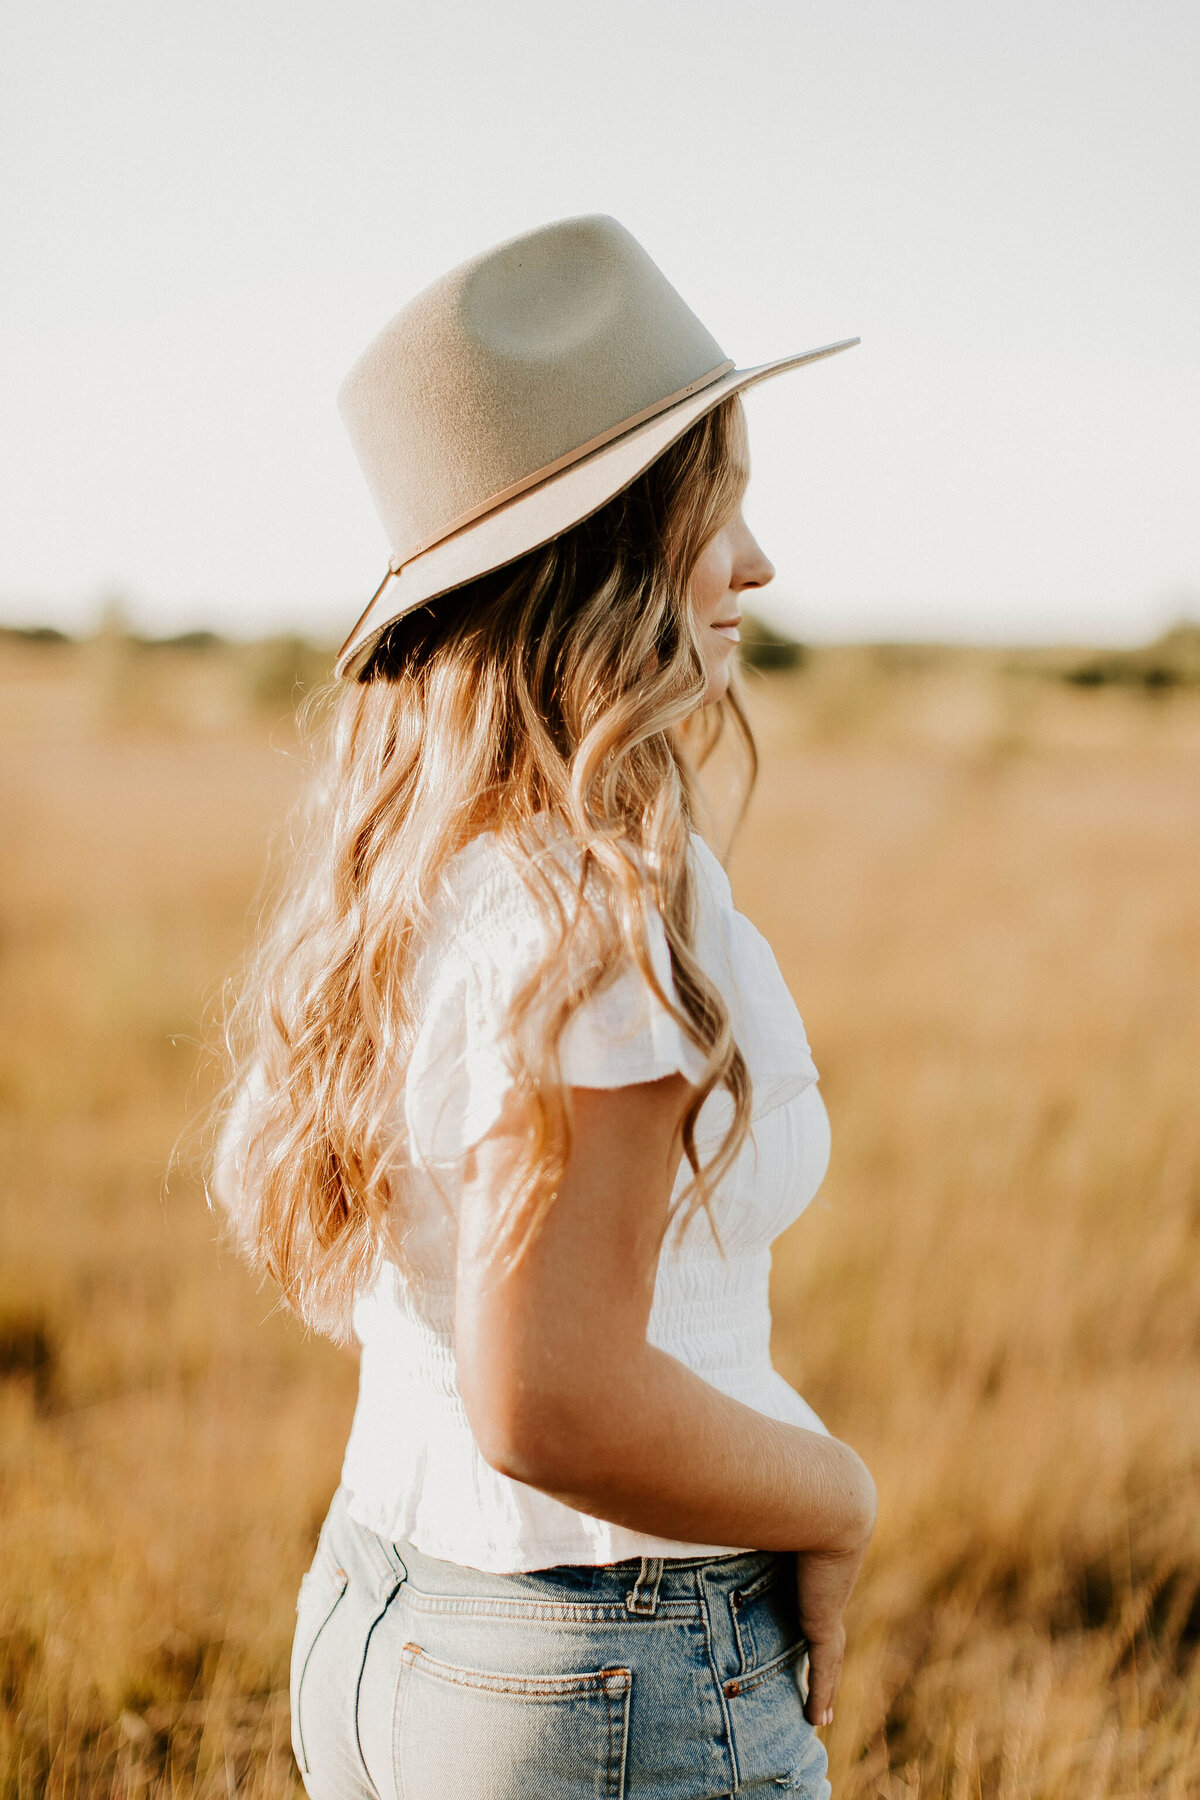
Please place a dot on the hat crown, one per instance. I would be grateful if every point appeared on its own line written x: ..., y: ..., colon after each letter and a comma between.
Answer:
x: 545, y: 297
x: 512, y: 364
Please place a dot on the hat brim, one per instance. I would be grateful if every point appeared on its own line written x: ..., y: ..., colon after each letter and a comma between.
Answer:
x: 531, y: 519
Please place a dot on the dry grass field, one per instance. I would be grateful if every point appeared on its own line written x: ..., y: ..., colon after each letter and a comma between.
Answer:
x: 982, y: 884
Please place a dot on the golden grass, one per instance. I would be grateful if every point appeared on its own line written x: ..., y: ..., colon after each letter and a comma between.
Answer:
x: 981, y: 884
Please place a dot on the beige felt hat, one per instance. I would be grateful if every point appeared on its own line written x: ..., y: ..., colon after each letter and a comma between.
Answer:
x: 516, y: 395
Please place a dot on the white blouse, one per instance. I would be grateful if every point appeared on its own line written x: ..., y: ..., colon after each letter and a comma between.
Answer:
x: 412, y: 1466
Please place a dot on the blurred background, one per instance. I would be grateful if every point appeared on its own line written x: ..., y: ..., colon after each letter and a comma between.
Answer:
x: 974, y: 845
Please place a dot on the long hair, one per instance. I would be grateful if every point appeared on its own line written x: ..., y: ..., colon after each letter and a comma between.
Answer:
x: 564, y: 690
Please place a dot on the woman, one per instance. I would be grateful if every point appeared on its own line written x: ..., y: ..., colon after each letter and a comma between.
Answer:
x: 524, y: 1100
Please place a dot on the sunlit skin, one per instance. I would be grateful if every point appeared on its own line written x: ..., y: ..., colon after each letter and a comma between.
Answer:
x: 561, y: 1387
x: 730, y: 562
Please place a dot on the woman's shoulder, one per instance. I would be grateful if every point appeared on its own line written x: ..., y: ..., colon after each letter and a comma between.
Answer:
x: 766, y: 1023
x: 487, y: 870
x: 711, y: 871
x: 492, y: 941
x: 496, y: 913
x: 489, y: 890
x: 479, y: 880
x: 496, y: 892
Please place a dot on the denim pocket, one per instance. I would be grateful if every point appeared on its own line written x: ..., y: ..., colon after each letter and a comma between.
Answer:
x: 508, y: 1737
x: 766, y: 1626
x: 321, y: 1593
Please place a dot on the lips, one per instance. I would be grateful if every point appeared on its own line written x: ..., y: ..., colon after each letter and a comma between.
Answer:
x: 728, y: 628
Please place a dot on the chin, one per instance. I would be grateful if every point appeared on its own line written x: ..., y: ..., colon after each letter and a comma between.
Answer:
x: 718, y: 686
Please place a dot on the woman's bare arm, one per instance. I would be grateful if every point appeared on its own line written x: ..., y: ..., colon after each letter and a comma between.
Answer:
x: 563, y: 1392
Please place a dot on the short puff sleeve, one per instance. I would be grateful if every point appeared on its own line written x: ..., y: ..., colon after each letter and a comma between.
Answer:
x: 488, y: 937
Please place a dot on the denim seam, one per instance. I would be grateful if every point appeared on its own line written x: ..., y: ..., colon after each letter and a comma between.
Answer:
x: 539, y: 1688
x: 399, y: 1707
x: 344, y: 1583
x: 616, y: 1763
x: 743, y: 1629
x: 744, y: 1683
x: 567, y: 1612
x: 767, y: 1579
x: 720, y: 1687
x: 608, y: 1727
x: 377, y: 1620
x: 389, y: 1567
x: 744, y: 1641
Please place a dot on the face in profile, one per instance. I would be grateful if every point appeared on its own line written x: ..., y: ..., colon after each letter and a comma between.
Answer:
x: 730, y: 562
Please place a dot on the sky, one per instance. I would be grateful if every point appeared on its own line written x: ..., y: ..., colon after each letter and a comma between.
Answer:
x: 206, y: 212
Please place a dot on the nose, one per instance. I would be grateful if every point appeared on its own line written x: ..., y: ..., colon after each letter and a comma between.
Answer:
x: 753, y: 568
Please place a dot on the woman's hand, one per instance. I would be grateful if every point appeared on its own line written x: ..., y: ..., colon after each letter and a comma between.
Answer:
x: 824, y: 1580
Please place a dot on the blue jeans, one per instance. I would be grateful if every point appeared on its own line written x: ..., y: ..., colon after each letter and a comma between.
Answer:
x: 416, y: 1679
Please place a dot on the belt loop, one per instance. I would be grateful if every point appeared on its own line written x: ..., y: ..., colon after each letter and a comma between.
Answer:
x: 642, y: 1597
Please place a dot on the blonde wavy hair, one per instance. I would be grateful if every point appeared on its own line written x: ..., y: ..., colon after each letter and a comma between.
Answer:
x: 565, y: 689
